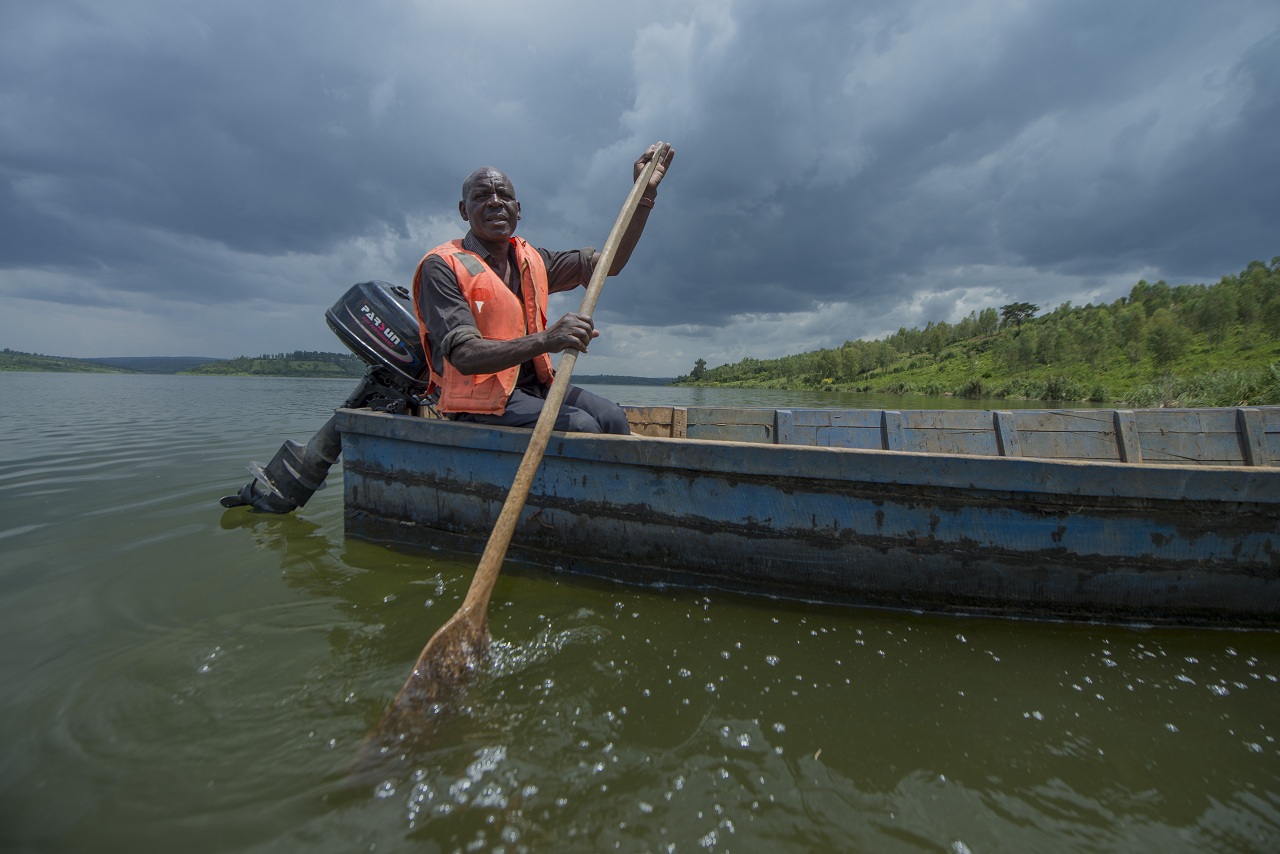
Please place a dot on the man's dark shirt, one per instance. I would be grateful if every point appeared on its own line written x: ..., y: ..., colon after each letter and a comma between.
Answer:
x: 448, y: 315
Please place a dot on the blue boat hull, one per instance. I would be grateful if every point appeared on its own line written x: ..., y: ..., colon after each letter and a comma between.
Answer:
x: 1083, y: 540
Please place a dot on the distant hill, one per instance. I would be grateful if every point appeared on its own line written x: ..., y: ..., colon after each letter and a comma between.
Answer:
x: 16, y: 360
x: 154, y: 364
x: 610, y: 379
x: 297, y: 364
x: 300, y: 363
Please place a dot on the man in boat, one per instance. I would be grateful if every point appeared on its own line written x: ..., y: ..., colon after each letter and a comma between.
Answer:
x: 481, y: 304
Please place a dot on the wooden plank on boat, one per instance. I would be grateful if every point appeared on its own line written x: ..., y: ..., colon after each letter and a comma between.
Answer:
x: 941, y: 432
x: 1006, y: 434
x: 661, y: 421
x: 680, y: 422
x: 1253, y: 439
x: 891, y: 430
x: 651, y: 420
x: 731, y: 424
x: 1127, y: 436
x: 1205, y: 437
x: 784, y: 427
x: 831, y: 428
x: 1271, y: 432
x: 1067, y: 434
x: 949, y: 431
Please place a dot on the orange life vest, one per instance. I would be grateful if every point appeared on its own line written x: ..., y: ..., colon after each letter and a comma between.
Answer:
x: 499, y: 314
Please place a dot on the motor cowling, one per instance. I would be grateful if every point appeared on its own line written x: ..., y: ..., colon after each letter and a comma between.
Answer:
x: 375, y: 320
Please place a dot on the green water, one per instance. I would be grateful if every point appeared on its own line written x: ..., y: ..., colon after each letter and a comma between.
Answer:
x: 180, y: 677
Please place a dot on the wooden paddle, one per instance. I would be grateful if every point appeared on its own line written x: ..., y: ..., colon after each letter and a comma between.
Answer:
x: 462, y: 643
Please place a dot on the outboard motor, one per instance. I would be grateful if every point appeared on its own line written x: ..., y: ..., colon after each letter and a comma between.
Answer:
x: 376, y: 322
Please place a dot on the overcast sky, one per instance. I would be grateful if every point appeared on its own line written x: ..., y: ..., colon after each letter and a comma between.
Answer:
x: 206, y: 178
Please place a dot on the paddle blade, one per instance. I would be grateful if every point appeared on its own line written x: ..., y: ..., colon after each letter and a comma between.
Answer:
x: 455, y: 651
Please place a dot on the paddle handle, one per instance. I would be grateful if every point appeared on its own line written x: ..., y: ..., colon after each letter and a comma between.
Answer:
x: 495, y: 550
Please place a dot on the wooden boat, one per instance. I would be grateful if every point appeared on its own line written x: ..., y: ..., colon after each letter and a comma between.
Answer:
x: 1150, y: 516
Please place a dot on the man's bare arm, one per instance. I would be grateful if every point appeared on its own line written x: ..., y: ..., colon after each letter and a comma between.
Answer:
x: 487, y: 356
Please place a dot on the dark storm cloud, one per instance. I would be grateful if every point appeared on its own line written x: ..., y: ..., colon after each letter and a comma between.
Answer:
x: 1061, y: 138
x: 842, y: 168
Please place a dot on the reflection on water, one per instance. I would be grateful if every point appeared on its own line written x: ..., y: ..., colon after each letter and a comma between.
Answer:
x: 182, y: 677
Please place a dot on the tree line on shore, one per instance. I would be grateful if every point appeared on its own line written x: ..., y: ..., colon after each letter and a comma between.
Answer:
x: 17, y: 360
x: 299, y: 363
x: 1189, y: 345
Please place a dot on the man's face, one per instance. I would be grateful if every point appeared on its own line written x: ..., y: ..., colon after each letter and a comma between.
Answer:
x: 489, y: 205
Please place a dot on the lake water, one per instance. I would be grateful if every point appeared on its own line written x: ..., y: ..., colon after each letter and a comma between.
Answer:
x: 182, y: 678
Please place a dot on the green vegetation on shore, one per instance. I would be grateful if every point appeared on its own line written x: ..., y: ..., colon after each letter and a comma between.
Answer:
x: 299, y: 363
x: 154, y: 364
x: 16, y: 360
x: 1189, y: 345
x: 616, y: 379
